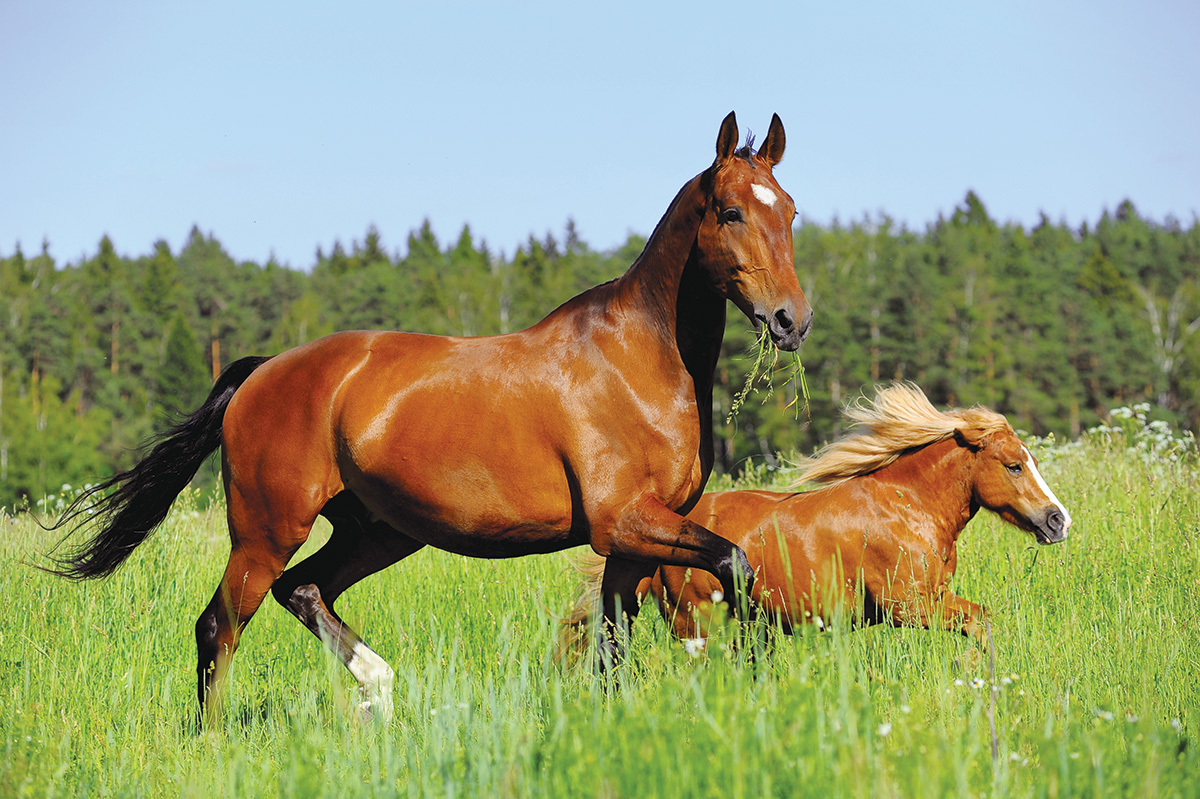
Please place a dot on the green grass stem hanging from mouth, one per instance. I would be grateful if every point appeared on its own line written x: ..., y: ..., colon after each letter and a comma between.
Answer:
x: 764, y: 369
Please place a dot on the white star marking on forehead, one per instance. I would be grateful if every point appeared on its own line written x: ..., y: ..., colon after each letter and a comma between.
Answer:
x: 764, y: 195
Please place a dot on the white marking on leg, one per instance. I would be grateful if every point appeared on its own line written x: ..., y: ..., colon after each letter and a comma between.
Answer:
x: 375, y: 678
x: 764, y: 195
x: 1041, y: 483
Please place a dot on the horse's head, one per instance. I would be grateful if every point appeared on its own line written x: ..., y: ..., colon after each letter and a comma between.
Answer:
x: 1008, y: 482
x: 745, y: 238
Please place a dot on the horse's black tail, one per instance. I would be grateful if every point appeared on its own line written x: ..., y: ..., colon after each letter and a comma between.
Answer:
x: 133, y: 503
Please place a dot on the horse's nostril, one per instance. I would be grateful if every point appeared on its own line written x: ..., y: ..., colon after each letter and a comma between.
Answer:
x: 784, y: 319
x: 1055, y: 521
x: 806, y: 324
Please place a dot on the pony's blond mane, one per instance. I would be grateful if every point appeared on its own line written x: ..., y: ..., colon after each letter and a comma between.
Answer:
x: 898, y: 419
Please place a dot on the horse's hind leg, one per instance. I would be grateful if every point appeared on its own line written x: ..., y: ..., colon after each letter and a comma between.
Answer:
x: 357, y: 548
x: 263, y: 538
x: 247, y: 579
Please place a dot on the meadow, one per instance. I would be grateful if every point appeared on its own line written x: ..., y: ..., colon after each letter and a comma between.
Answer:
x: 1096, y: 684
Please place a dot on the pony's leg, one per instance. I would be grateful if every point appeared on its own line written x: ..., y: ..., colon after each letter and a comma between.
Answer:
x: 356, y: 549
x: 963, y: 616
x: 946, y: 611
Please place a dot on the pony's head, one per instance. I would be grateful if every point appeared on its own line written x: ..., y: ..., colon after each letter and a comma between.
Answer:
x: 1008, y: 482
x: 745, y: 238
x: 1004, y: 475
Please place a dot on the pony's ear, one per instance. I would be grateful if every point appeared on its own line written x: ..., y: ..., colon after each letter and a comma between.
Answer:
x: 971, y: 437
x: 772, y: 147
x: 727, y: 139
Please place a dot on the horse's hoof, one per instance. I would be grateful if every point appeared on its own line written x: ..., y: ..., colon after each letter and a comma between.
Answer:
x: 376, y: 710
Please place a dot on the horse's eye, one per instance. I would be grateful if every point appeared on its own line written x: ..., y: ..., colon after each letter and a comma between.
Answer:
x: 1013, y: 468
x: 732, y: 215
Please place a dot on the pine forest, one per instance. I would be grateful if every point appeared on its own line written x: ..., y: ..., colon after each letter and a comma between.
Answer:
x: 1051, y: 325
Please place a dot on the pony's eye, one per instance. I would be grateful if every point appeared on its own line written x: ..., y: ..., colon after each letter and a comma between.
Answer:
x: 1013, y: 468
x: 732, y: 215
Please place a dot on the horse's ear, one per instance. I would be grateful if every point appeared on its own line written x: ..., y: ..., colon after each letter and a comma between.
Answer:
x: 772, y: 147
x: 970, y: 437
x: 727, y: 139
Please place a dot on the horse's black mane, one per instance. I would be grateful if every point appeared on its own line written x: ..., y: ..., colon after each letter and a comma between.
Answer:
x: 747, y: 150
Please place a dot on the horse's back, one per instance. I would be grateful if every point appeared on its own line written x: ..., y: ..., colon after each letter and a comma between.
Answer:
x: 428, y: 422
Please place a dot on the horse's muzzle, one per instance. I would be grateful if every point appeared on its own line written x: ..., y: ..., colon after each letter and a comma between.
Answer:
x: 787, y: 331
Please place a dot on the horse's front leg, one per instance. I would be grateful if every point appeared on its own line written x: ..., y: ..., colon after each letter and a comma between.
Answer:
x: 620, y: 604
x: 646, y: 534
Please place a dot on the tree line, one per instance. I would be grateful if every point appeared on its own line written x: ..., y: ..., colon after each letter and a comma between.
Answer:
x: 1052, y: 325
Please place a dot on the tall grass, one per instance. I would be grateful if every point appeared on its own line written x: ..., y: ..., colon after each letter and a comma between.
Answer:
x: 1097, y: 691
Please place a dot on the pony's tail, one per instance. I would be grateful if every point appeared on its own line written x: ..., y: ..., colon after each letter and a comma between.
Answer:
x: 130, y: 505
x: 575, y: 634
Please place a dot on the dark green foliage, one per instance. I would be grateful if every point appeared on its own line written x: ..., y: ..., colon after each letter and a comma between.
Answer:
x: 1052, y: 326
x: 182, y: 381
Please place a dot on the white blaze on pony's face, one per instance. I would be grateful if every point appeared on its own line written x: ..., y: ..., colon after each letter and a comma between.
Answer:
x: 1031, y: 464
x: 1007, y: 481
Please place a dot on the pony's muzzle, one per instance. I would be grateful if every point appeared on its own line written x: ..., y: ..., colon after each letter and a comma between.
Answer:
x: 1053, y: 527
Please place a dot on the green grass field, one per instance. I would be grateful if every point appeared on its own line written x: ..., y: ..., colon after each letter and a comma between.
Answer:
x: 1097, y: 676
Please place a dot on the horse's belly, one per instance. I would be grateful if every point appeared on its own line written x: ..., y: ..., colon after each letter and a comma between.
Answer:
x: 486, y: 536
x: 509, y: 543
x: 477, y: 511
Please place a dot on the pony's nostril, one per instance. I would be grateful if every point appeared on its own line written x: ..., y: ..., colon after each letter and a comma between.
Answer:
x: 784, y: 319
x: 1055, y: 521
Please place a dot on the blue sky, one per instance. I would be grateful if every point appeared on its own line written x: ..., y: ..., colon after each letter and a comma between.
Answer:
x: 281, y: 127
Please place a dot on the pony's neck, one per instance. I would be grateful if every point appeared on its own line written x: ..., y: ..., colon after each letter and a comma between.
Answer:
x: 943, y: 470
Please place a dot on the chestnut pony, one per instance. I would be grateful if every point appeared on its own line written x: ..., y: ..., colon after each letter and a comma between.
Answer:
x: 594, y: 426
x: 878, y: 544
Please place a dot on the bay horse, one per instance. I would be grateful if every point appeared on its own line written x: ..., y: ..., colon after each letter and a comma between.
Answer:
x: 878, y: 544
x: 594, y: 426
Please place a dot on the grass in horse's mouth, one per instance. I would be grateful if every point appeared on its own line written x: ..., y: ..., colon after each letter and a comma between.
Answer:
x: 766, y: 359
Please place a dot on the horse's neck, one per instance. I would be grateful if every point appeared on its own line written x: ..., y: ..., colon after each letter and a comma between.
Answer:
x: 666, y: 286
x: 941, y: 479
x: 666, y: 294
